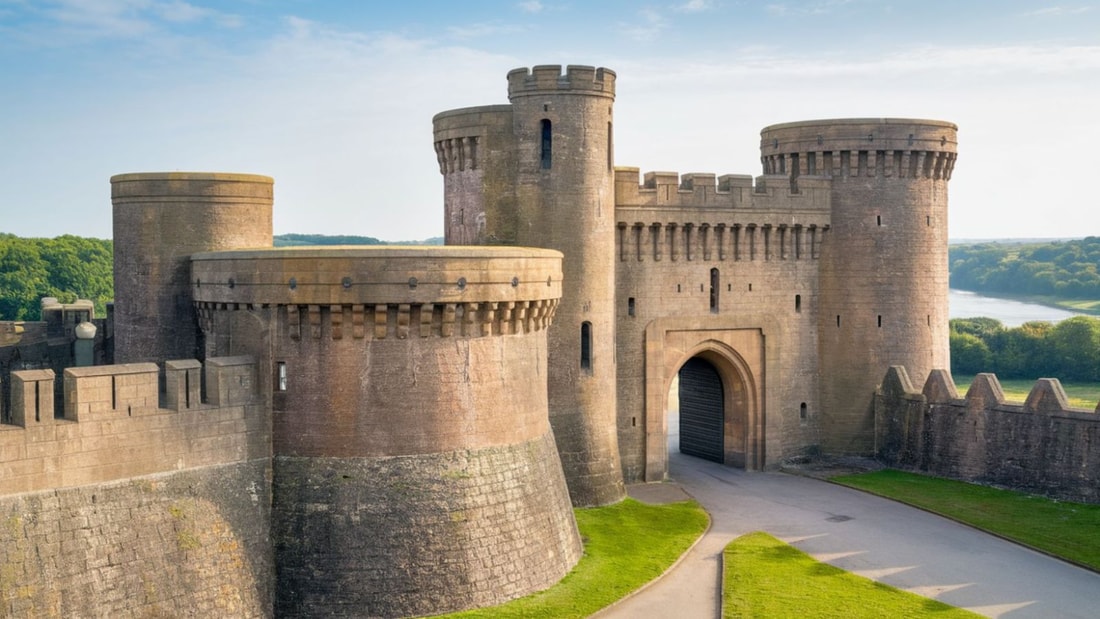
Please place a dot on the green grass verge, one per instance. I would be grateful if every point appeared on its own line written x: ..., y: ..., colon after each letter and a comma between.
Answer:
x: 626, y: 545
x: 1077, y: 305
x: 766, y: 578
x: 1081, y: 395
x: 1067, y: 530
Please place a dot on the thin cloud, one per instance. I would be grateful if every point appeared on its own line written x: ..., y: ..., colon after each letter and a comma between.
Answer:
x: 1058, y: 11
x: 533, y: 6
x: 651, y: 24
x: 481, y: 30
x: 821, y: 7
x: 694, y: 6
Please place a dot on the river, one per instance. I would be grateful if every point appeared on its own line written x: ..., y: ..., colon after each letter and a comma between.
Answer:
x: 964, y: 304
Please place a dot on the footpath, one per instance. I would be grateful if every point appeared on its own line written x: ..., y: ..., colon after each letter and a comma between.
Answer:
x: 864, y: 534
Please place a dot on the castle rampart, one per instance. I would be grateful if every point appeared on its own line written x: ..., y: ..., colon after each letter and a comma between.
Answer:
x: 578, y: 79
x: 1041, y: 445
x: 114, y: 427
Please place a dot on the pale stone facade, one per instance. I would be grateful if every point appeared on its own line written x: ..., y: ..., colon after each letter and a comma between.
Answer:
x: 798, y: 288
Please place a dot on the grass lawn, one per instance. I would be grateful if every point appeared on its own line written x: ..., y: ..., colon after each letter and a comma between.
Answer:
x: 1067, y: 530
x: 626, y: 545
x: 766, y: 578
x: 1083, y: 395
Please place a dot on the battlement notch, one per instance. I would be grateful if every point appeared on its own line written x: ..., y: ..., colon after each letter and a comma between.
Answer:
x: 579, y: 79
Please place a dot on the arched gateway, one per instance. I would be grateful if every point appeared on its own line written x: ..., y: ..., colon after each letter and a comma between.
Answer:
x: 721, y: 393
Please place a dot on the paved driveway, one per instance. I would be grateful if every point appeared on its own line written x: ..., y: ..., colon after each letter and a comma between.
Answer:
x: 867, y: 535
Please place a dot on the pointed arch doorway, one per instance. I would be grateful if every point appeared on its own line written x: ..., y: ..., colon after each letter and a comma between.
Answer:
x: 717, y: 379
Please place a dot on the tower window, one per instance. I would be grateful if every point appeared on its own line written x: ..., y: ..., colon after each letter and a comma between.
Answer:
x: 586, y: 345
x: 798, y: 303
x: 610, y: 148
x: 547, y: 144
x: 880, y: 320
x: 280, y: 376
x: 878, y: 219
x: 715, y: 287
x: 630, y: 306
x: 802, y: 411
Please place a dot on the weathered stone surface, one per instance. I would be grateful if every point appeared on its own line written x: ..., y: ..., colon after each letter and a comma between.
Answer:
x: 189, y: 544
x: 413, y: 535
x: 1042, y: 446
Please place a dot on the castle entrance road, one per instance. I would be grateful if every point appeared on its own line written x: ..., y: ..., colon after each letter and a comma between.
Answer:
x: 889, y: 542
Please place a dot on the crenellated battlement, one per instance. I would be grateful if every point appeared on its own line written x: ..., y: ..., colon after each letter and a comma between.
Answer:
x: 1042, y: 445
x: 549, y: 78
x: 708, y: 191
x: 119, y: 423
x: 101, y: 392
x: 706, y: 217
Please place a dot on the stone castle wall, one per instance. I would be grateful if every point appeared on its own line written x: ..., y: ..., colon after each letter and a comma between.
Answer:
x: 883, y: 277
x: 127, y: 506
x: 414, y: 466
x: 1042, y: 445
x: 720, y: 256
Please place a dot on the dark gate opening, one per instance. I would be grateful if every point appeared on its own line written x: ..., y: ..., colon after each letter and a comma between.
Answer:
x: 701, y: 411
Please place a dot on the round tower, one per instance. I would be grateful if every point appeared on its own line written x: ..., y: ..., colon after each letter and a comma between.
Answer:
x: 415, y: 470
x: 883, y: 278
x: 160, y: 219
x: 565, y: 198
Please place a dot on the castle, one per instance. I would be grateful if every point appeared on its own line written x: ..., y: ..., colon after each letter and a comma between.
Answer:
x: 397, y: 431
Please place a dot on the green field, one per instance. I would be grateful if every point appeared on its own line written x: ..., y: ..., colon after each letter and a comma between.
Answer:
x: 763, y: 577
x: 1081, y: 395
x: 626, y: 545
x: 1067, y: 530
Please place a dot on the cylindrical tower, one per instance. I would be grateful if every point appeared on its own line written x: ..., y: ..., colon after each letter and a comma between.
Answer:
x: 539, y: 173
x: 565, y: 196
x: 415, y: 470
x: 160, y: 219
x: 884, y: 278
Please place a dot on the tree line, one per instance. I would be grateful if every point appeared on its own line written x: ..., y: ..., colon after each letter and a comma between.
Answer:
x: 1063, y: 269
x: 67, y: 267
x: 1068, y: 350
x: 72, y: 267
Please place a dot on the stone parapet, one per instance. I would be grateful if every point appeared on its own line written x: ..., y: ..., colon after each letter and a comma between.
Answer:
x: 543, y: 78
x: 1041, y: 445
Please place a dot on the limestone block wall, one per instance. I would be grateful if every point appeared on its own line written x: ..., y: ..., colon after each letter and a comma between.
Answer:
x: 160, y: 219
x: 114, y: 428
x: 192, y: 543
x: 475, y: 148
x: 563, y: 123
x: 415, y: 470
x: 125, y: 508
x: 883, y: 276
x: 1041, y: 445
x: 714, y: 256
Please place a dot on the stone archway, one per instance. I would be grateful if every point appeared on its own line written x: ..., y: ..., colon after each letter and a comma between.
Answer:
x: 738, y: 357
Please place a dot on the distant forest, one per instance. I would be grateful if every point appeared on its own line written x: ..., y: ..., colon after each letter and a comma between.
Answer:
x: 1060, y: 269
x: 67, y: 267
x: 1069, y: 350
x: 72, y: 267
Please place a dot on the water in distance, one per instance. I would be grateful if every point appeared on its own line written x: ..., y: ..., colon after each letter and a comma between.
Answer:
x: 966, y: 304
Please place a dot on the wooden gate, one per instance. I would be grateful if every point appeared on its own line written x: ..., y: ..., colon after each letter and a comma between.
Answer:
x: 701, y: 410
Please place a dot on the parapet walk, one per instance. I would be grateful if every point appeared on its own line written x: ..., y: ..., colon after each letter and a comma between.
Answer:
x: 1042, y: 445
x: 118, y: 423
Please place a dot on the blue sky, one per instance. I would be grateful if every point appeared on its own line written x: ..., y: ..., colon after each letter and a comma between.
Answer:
x: 335, y: 99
